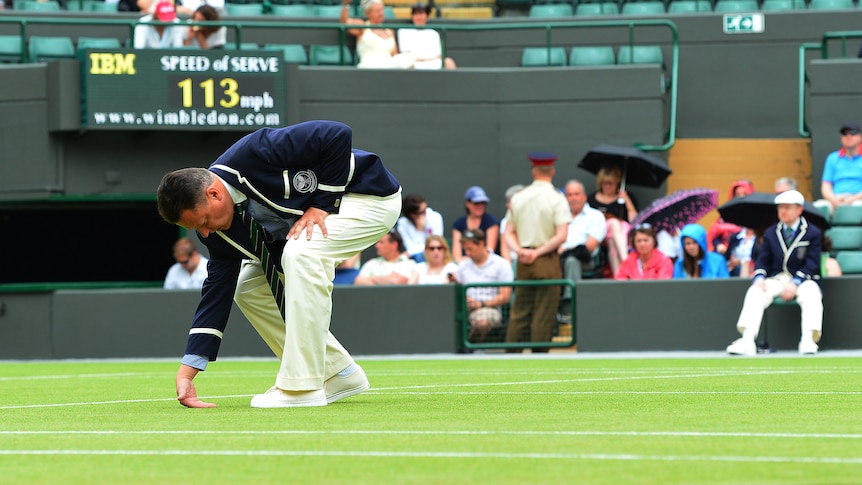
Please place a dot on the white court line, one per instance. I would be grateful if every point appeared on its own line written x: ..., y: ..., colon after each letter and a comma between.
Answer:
x: 447, y: 454
x: 651, y: 434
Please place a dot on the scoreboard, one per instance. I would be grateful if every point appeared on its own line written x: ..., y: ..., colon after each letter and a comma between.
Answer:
x: 182, y: 89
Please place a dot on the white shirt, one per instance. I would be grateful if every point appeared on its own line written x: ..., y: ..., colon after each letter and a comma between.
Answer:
x: 589, y: 222
x: 424, y: 44
x: 180, y: 279
x: 435, y: 279
x: 495, y: 268
x: 414, y: 239
x: 146, y: 36
x: 379, y: 266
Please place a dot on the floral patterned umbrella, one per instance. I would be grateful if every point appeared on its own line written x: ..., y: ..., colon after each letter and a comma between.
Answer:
x: 682, y: 207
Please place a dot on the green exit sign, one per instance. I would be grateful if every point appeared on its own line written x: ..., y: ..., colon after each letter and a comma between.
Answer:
x: 743, y: 23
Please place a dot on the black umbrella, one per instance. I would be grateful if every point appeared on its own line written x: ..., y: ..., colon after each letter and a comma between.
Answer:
x: 758, y: 211
x: 639, y: 168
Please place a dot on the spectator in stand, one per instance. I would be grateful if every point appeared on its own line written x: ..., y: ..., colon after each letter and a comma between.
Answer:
x: 423, y: 42
x: 417, y: 222
x: 205, y: 37
x: 186, y: 7
x: 742, y: 249
x: 646, y: 262
x: 481, y: 266
x: 584, y: 237
x: 476, y: 205
x: 697, y: 261
x: 190, y: 269
x: 784, y: 184
x: 376, y: 47
x: 509, y: 254
x: 160, y: 36
x: 719, y: 233
x: 619, y: 208
x: 390, y: 267
x: 841, y: 183
x: 828, y: 265
x: 789, y: 266
x: 437, y: 264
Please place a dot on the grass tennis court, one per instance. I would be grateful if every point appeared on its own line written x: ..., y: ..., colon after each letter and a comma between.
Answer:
x: 470, y: 420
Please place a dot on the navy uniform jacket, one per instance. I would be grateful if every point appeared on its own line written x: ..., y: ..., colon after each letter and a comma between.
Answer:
x: 801, y: 258
x: 288, y: 170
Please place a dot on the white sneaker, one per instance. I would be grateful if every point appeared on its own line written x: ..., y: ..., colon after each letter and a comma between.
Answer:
x: 807, y: 347
x: 338, y: 387
x: 742, y: 346
x: 279, y: 398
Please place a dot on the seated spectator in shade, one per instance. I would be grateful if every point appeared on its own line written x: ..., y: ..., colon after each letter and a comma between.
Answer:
x: 841, y: 182
x: 585, y: 234
x: 417, y: 222
x: 719, y: 232
x: 619, y: 208
x: 376, y: 47
x: 190, y: 269
x: 205, y: 37
x: 390, y: 267
x: 784, y: 184
x: 160, y: 36
x: 437, y: 264
x: 480, y: 266
x: 696, y: 260
x: 476, y: 205
x: 741, y: 252
x: 646, y: 262
x: 424, y: 43
x: 507, y: 253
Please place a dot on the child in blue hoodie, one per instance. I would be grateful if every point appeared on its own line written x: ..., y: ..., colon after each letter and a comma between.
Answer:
x: 696, y: 260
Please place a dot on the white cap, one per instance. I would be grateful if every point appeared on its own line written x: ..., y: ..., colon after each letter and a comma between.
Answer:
x: 790, y: 197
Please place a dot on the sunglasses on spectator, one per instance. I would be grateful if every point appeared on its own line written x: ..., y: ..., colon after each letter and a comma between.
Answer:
x: 645, y: 225
x: 434, y: 248
x: 849, y: 132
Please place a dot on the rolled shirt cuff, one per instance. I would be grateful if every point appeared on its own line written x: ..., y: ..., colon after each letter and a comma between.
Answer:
x: 199, y: 362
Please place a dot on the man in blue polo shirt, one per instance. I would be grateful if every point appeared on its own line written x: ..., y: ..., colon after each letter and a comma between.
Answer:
x: 841, y: 183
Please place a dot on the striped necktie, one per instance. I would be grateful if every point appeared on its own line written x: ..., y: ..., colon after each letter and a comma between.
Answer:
x: 788, y: 235
x: 267, y: 262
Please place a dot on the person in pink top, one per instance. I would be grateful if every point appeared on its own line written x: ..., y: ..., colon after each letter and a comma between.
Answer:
x: 718, y: 236
x: 645, y: 262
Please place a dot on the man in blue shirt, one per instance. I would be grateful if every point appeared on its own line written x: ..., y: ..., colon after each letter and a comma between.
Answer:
x: 841, y: 183
x: 788, y: 266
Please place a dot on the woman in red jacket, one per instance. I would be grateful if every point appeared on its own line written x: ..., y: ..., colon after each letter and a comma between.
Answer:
x: 645, y: 262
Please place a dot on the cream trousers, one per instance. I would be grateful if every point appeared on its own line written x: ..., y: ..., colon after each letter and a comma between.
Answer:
x: 309, y: 353
x: 808, y: 296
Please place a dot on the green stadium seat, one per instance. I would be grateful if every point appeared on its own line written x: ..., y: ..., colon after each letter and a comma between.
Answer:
x: 689, y: 6
x: 597, y: 9
x: 830, y: 4
x: 98, y: 43
x: 847, y: 215
x: 249, y: 46
x: 551, y: 10
x: 640, y: 54
x: 778, y: 5
x: 730, y: 6
x: 850, y: 261
x: 244, y: 9
x: 592, y: 56
x: 845, y: 238
x: 50, y: 48
x: 643, y: 8
x: 10, y: 48
x: 328, y: 55
x: 34, y: 6
x: 538, y: 57
x: 291, y: 53
x: 102, y: 6
x: 298, y: 10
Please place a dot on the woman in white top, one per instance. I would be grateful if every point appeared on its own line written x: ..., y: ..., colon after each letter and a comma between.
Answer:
x: 376, y: 47
x: 438, y: 263
x: 423, y: 42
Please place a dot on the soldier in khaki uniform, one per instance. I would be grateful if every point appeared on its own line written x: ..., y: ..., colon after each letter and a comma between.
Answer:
x: 538, y: 224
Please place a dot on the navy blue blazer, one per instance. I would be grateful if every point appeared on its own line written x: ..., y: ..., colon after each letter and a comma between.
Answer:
x: 288, y: 169
x: 800, y: 258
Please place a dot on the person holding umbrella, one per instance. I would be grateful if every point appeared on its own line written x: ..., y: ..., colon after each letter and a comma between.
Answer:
x: 788, y: 266
x: 618, y: 208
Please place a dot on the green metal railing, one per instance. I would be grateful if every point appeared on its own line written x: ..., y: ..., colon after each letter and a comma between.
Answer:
x: 239, y: 27
x: 823, y: 47
x: 95, y: 285
x: 462, y: 316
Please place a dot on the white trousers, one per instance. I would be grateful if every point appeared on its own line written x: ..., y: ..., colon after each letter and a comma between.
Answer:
x: 808, y: 296
x: 309, y: 353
